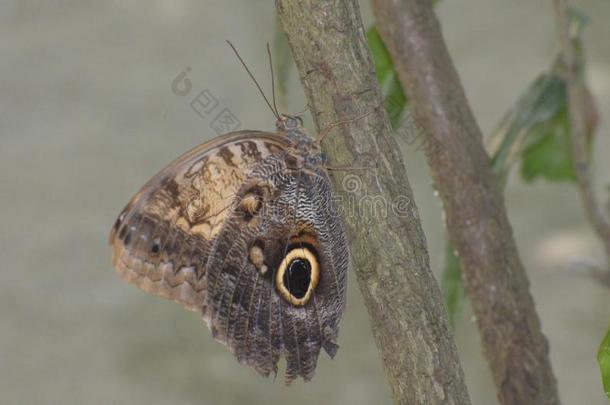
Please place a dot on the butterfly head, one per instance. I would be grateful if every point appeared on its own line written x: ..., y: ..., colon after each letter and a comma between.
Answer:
x: 304, y: 145
x: 287, y: 123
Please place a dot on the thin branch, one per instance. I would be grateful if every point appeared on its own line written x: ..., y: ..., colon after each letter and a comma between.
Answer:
x: 389, y: 254
x: 578, y: 127
x: 476, y: 219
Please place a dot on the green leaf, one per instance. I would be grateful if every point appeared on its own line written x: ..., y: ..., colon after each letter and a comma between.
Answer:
x: 549, y: 156
x: 543, y: 101
x: 452, y: 285
x: 603, y: 358
x: 537, y: 129
x: 395, y: 101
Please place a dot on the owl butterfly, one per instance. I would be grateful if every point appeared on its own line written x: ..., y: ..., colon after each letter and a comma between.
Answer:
x: 243, y: 229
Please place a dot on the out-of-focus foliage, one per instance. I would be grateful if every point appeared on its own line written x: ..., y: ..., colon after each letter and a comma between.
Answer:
x: 535, y: 132
x: 393, y: 94
x: 530, y: 123
x: 549, y: 156
x: 603, y: 358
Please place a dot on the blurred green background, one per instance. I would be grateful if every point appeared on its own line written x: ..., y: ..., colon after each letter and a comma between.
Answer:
x: 87, y: 115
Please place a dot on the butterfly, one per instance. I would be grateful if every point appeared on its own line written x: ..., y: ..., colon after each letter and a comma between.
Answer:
x: 244, y: 230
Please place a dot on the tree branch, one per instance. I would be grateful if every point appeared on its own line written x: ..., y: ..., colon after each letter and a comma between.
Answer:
x: 389, y: 253
x: 476, y: 219
x: 578, y: 128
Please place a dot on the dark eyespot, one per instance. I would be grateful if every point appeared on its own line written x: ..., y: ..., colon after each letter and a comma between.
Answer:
x: 155, y: 248
x: 297, y: 277
x: 127, y: 238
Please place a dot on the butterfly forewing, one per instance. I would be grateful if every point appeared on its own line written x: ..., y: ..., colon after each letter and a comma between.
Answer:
x: 162, y: 239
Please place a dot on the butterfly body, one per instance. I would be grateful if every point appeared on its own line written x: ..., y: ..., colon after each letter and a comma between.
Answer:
x: 244, y: 230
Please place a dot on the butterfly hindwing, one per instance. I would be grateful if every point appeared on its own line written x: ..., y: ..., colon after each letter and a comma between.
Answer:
x: 244, y: 307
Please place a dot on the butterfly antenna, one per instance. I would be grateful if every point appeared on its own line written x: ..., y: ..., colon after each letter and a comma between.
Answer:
x: 274, y: 111
x: 272, y: 80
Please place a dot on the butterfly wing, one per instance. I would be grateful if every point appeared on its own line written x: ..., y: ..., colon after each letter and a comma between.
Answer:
x: 245, y: 306
x: 230, y: 230
x: 162, y: 239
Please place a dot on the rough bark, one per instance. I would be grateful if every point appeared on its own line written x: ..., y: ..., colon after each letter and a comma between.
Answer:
x: 388, y: 252
x: 495, y: 279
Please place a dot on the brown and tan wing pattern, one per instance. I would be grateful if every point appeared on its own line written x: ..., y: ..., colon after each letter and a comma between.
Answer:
x: 231, y: 229
x: 244, y: 309
x: 162, y: 239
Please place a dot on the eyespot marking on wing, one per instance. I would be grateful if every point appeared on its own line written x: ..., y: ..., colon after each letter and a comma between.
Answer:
x: 298, y: 275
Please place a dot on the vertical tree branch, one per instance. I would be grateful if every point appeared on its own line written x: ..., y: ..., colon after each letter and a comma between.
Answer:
x: 578, y: 127
x: 476, y: 219
x: 389, y: 254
